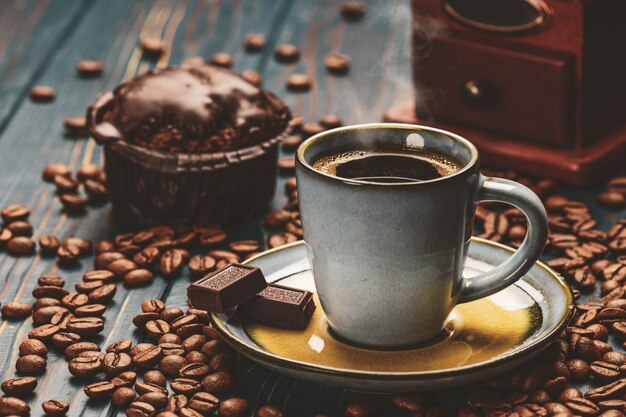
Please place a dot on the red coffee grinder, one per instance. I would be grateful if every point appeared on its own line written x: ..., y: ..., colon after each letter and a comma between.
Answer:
x: 538, y: 85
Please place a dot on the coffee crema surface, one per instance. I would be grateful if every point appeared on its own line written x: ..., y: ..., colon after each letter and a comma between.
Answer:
x: 400, y: 165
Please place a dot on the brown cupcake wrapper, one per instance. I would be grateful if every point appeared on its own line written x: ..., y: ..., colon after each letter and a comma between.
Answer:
x: 152, y: 187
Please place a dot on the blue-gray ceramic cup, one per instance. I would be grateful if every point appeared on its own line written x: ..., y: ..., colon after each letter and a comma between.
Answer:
x: 388, y: 257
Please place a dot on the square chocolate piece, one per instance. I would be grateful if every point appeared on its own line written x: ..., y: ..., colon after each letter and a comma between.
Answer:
x: 221, y: 290
x: 280, y: 306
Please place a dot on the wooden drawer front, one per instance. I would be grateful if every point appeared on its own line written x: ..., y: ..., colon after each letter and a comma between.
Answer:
x: 512, y: 92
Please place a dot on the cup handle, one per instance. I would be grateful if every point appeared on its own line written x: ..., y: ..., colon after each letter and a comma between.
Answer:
x: 505, y: 274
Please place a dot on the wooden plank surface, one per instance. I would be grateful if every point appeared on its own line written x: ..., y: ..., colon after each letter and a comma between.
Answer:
x: 40, y: 44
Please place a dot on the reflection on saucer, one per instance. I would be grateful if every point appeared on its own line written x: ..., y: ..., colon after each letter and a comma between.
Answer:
x: 475, y: 332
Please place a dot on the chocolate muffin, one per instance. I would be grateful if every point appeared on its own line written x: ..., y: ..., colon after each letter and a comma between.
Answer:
x: 189, y: 145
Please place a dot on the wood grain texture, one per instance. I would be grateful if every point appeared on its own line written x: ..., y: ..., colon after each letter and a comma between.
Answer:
x: 31, y: 135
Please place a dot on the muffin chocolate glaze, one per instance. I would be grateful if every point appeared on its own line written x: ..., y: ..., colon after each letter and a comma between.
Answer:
x: 189, y: 145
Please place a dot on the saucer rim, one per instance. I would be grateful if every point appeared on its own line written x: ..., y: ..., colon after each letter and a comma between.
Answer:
x: 264, y: 357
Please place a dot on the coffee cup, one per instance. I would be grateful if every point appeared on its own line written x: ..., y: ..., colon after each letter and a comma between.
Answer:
x: 387, y: 236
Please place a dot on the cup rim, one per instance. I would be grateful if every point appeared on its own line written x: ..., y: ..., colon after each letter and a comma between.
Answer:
x: 300, y: 160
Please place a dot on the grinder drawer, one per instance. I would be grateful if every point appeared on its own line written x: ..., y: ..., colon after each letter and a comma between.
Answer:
x: 523, y: 94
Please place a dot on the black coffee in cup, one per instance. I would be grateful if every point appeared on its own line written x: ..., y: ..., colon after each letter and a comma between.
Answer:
x: 387, y: 166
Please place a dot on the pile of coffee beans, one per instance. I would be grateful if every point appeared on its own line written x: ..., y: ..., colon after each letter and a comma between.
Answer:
x: 76, y: 192
x: 614, y: 195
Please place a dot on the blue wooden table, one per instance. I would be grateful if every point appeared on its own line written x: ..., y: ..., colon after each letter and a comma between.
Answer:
x: 40, y: 42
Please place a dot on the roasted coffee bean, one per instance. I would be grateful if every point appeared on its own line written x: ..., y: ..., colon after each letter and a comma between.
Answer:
x: 200, y: 265
x: 579, y: 370
x: 585, y: 349
x: 155, y: 377
x: 87, y: 287
x: 184, y: 320
x: 52, y: 170
x: 210, y: 333
x: 569, y: 393
x: 176, y: 402
x: 89, y: 67
x: 298, y: 82
x: 254, y: 42
x: 33, y: 347
x: 60, y: 319
x: 96, y: 191
x: 219, y: 383
x: 73, y: 203
x: 86, y: 326
x: 104, y: 259
x: 63, y: 340
x: 125, y: 379
x: 140, y: 347
x: 14, y: 212
x: 152, y: 306
x: 138, y: 278
x: 170, y: 314
x: 233, y: 407
x: 85, y: 367
x: 99, y: 275
x: 253, y: 77
x: 170, y: 365
x: 156, y: 399
x: 84, y: 246
x: 199, y: 357
x: 20, y: 246
x: 30, y: 364
x: 16, y: 310
x: 123, y: 396
x: 612, y: 413
x: 141, y: 319
x: 604, y: 371
x: 5, y: 236
x: 287, y: 53
x: 68, y: 254
x: 215, y: 347
x: 18, y: 387
x: 116, y: 363
x: 269, y: 411
x: 120, y: 346
x: 185, y: 386
x: 74, y: 350
x: 20, y: 228
x: 204, y: 403
x: 66, y: 184
x: 46, y: 302
x: 166, y: 414
x: 612, y: 199
x: 140, y: 409
x: 194, y: 371
x: 51, y: 280
x: 189, y: 330
x: 91, y: 310
x: 145, y: 387
x: 148, y: 358
x: 363, y: 407
x: 121, y: 267
x: 103, y: 294
x: 55, y: 408
x: 44, y: 315
x: 194, y: 342
x: 13, y: 406
x: 352, y: 10
x: 611, y: 315
x: 74, y: 300
x: 222, y: 362
x: 277, y: 218
x: 337, y: 63
x: 153, y: 46
x: 100, y: 390
x: 43, y: 332
x: 157, y: 328
x: 614, y: 390
x: 147, y: 257
x: 202, y: 315
x: 170, y: 338
x: 49, y: 291
x: 612, y: 405
x: 76, y: 125
x: 616, y: 358
x: 582, y: 406
x: 88, y: 172
x: 330, y: 121
x: 242, y: 247
x: 171, y: 263
x: 188, y: 412
x: 104, y: 246
x: 221, y: 59
x: 219, y: 255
